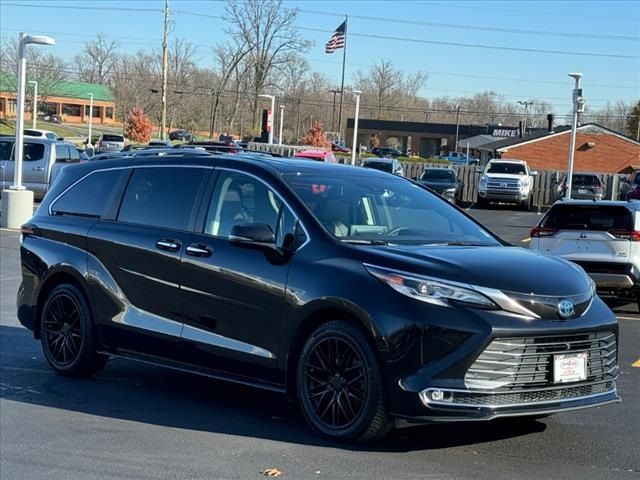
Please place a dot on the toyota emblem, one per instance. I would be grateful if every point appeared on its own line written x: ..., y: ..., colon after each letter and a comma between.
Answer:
x: 503, y: 185
x: 566, y: 309
x: 583, y: 235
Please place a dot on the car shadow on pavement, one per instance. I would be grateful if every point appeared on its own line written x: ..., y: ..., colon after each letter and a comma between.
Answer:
x: 136, y: 392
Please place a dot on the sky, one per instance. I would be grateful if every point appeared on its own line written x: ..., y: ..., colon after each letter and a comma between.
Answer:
x: 602, y: 39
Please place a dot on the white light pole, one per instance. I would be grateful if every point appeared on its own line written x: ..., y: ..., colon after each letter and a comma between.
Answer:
x: 270, y: 116
x: 281, y: 121
x: 17, y: 203
x: 35, y: 102
x: 355, y: 127
x: 90, y: 115
x: 578, y: 106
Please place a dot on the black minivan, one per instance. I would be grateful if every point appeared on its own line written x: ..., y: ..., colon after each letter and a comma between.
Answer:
x: 366, y: 297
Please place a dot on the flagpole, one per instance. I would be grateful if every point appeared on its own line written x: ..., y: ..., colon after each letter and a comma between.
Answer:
x: 344, y: 58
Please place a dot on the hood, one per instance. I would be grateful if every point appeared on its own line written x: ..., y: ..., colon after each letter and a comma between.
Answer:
x: 439, y: 186
x: 506, y: 175
x: 510, y: 269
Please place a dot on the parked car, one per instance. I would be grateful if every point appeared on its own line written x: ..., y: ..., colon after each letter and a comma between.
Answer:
x: 31, y: 132
x: 600, y: 237
x: 389, y: 165
x: 111, y: 156
x: 443, y: 181
x: 212, y: 146
x: 318, y: 155
x: 584, y: 186
x: 385, y: 152
x: 336, y: 147
x: 159, y: 143
x: 507, y: 181
x: 459, y: 158
x: 183, y: 135
x: 43, y: 159
x: 108, y: 142
x: 630, y: 189
x: 368, y: 298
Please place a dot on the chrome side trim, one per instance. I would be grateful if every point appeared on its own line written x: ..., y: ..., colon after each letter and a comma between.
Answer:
x: 505, y: 302
x: 153, y: 279
x: 209, y: 338
x: 275, y: 191
x: 135, y: 317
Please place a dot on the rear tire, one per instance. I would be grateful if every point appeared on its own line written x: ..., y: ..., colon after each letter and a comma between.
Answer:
x: 340, y: 387
x: 67, y: 333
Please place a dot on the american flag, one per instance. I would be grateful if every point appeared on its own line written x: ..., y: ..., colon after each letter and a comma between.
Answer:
x: 337, y: 39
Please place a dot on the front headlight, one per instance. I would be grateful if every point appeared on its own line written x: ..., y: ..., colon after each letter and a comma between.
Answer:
x: 431, y: 290
x: 483, y: 183
x: 450, y: 190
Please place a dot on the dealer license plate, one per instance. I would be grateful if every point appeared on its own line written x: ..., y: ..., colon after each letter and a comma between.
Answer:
x: 570, y: 367
x: 582, y: 190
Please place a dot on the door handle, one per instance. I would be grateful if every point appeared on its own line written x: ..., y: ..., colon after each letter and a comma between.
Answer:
x: 199, y: 250
x: 38, y: 169
x: 168, y: 245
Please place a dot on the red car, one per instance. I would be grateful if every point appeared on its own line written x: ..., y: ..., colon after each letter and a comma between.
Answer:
x: 317, y: 155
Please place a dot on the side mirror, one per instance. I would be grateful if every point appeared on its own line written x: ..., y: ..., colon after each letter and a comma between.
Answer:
x: 533, y: 173
x: 259, y: 235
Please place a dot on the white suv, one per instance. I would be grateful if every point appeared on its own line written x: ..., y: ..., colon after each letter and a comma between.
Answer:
x: 603, y: 238
x: 508, y: 181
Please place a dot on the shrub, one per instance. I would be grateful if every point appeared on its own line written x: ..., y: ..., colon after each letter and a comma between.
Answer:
x: 138, y: 127
x: 315, y: 136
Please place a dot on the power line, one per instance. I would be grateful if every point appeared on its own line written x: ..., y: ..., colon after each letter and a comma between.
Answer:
x: 477, y: 27
x: 82, y: 7
x: 477, y: 45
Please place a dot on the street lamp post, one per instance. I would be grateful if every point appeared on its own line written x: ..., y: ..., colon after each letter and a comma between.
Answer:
x: 526, y: 118
x: 578, y: 107
x: 281, y: 122
x: 17, y: 202
x: 90, y: 115
x: 35, y: 102
x: 270, y: 116
x: 355, y: 127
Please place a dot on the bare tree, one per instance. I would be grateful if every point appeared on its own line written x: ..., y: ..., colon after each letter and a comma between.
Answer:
x: 96, y: 61
x: 269, y: 30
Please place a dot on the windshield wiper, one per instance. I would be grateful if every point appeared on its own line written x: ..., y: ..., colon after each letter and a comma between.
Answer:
x: 362, y: 241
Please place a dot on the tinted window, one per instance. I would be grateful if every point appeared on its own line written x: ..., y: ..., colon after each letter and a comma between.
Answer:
x: 585, y: 181
x: 62, y: 154
x: 438, y: 175
x: 382, y: 166
x: 367, y: 207
x: 162, y: 197
x: 5, y: 150
x: 33, y: 152
x: 588, y: 217
x: 507, y: 168
x: 90, y: 196
x: 239, y: 199
x: 112, y: 138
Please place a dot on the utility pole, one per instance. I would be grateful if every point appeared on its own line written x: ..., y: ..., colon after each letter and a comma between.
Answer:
x: 298, y: 122
x: 165, y: 67
x: 457, y: 127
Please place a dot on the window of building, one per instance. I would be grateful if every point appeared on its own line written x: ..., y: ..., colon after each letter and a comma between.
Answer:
x: 162, y: 197
x: 89, y: 197
x: 109, y: 112
x: 71, y: 110
x: 2, y: 104
x: 95, y: 113
x: 11, y: 106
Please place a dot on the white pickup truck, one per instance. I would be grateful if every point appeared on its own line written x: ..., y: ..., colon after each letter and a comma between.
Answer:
x: 507, y: 181
x: 43, y: 159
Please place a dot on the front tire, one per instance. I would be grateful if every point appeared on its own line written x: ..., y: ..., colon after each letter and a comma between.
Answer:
x: 67, y: 333
x: 340, y: 387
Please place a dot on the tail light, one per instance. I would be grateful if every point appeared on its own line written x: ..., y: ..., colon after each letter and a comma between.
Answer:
x: 542, y: 232
x: 632, y: 235
x: 598, y: 188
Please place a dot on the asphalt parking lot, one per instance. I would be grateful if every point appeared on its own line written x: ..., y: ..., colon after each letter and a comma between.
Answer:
x: 139, y: 422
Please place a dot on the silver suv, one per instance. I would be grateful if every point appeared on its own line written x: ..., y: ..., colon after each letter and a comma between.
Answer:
x: 603, y: 238
x: 108, y: 142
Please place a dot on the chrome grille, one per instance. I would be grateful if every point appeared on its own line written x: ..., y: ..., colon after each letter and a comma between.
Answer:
x: 506, y: 185
x: 527, y: 362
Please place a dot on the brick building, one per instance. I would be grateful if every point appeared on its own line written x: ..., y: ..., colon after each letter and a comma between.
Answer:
x: 69, y: 101
x: 598, y: 149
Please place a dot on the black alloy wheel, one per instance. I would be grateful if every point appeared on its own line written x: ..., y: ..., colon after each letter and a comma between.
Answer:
x: 67, y: 336
x: 340, y: 385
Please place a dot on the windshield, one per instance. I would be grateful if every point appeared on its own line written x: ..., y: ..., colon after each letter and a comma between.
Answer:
x: 507, y: 168
x: 370, y: 209
x: 438, y: 176
x: 584, y: 181
x: 382, y: 166
x: 112, y: 138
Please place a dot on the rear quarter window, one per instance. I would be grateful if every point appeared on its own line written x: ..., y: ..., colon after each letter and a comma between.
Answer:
x: 90, y: 196
x: 113, y: 138
x: 589, y: 217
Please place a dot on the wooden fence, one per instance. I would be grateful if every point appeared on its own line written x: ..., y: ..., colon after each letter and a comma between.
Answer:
x: 544, y: 184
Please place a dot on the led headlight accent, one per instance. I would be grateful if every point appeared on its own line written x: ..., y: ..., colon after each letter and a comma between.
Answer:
x: 431, y: 290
